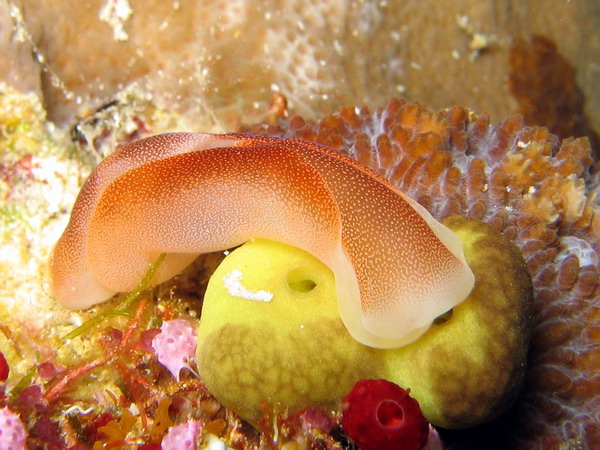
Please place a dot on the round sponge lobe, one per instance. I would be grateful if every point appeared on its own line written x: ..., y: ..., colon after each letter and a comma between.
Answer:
x: 271, y: 332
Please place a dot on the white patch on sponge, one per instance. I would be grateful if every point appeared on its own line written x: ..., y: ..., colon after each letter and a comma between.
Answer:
x: 233, y: 284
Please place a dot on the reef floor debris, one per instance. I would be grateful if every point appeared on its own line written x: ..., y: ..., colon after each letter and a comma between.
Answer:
x: 539, y: 191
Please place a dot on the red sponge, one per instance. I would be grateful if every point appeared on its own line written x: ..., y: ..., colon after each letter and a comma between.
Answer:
x: 380, y: 415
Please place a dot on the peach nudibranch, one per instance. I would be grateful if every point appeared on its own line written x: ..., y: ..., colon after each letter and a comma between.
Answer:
x: 396, y: 268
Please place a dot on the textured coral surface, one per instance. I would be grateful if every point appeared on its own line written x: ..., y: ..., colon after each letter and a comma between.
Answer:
x: 539, y: 192
x: 221, y: 60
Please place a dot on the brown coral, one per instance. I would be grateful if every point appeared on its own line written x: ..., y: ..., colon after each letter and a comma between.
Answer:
x: 540, y: 193
x: 543, y: 82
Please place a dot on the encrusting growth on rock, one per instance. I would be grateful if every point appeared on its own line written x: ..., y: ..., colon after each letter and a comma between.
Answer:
x: 539, y: 192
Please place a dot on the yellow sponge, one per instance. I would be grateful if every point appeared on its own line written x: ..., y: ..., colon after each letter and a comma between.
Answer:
x: 469, y: 366
x: 271, y: 332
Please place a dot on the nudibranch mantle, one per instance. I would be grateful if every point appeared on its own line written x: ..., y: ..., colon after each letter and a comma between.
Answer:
x: 396, y: 268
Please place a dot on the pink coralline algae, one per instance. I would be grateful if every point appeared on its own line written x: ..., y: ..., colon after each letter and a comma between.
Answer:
x: 12, y: 431
x: 175, y: 345
x: 381, y: 415
x: 182, y: 437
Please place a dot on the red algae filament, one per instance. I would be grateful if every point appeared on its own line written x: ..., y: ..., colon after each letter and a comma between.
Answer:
x: 4, y: 369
